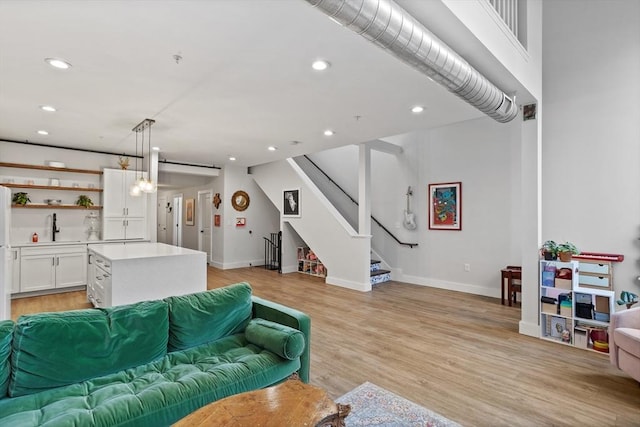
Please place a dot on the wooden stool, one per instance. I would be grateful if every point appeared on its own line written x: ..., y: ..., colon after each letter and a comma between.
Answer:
x: 509, y: 274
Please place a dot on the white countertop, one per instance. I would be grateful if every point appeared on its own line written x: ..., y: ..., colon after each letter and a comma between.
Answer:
x: 141, y: 250
x: 71, y: 242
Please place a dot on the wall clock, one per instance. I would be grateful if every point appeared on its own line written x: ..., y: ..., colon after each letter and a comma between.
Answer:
x: 240, y: 200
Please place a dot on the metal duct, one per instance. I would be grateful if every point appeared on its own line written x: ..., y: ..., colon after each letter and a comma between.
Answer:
x: 392, y: 28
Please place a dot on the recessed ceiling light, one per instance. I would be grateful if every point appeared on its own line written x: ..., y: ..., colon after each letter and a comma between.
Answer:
x: 329, y: 132
x: 58, y: 63
x: 233, y: 159
x: 417, y: 109
x: 271, y: 148
x: 320, y: 65
x: 43, y: 132
x: 49, y: 108
x: 155, y: 148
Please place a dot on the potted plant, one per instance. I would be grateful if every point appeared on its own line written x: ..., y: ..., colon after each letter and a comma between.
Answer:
x: 84, y: 201
x: 549, y: 250
x: 21, y: 199
x: 566, y: 250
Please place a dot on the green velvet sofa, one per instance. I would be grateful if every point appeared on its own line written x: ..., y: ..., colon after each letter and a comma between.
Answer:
x: 146, y: 364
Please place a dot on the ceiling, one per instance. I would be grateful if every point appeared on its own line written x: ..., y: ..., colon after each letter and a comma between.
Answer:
x: 244, y: 82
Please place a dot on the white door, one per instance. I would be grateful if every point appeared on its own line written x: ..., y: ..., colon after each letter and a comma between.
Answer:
x: 177, y: 220
x: 162, y: 219
x: 135, y: 205
x: 204, y: 222
x: 112, y: 198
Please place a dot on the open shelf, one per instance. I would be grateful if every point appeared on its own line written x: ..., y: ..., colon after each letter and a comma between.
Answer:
x: 51, y: 187
x: 43, y: 206
x: 48, y: 168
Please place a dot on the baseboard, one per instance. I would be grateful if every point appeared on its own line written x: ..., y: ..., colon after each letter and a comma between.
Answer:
x: 452, y: 286
x: 356, y: 286
x: 239, y: 264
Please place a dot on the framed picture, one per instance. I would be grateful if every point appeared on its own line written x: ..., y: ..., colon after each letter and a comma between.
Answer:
x: 558, y: 324
x: 216, y: 220
x: 190, y: 207
x: 291, y: 203
x: 241, y: 222
x: 445, y: 206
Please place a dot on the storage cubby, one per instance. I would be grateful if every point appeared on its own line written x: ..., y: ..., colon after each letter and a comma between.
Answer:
x: 308, y: 263
x: 571, y: 313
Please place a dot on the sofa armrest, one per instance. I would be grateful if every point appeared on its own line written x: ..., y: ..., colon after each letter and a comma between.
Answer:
x: 284, y: 315
x: 629, y: 318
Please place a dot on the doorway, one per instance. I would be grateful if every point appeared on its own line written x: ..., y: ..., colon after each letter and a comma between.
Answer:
x: 162, y: 219
x: 177, y: 220
x: 204, y: 223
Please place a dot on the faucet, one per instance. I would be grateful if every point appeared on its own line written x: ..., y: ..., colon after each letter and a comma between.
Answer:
x: 55, y: 229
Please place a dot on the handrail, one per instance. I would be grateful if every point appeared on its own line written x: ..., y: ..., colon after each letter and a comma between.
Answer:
x: 411, y: 245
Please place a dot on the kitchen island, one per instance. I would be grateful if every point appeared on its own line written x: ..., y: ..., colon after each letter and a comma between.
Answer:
x: 124, y: 274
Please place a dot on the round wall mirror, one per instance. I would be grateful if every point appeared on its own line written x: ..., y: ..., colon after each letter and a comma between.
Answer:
x: 240, y: 200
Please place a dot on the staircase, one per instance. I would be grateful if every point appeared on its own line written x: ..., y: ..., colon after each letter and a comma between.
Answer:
x: 378, y: 275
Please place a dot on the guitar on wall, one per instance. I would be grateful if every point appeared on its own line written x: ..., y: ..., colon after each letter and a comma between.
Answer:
x: 409, y: 217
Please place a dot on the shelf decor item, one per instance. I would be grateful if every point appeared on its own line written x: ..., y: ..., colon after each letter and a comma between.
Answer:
x: 627, y: 298
x: 549, y: 250
x: 21, y: 198
x: 123, y: 161
x: 445, y: 206
x: 84, y: 201
x: 566, y: 250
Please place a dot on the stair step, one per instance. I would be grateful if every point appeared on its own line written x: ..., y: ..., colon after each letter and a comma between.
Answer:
x: 375, y: 261
x: 379, y: 272
x: 380, y: 276
x: 375, y: 265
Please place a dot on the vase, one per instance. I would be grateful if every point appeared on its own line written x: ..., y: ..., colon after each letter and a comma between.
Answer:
x: 565, y: 256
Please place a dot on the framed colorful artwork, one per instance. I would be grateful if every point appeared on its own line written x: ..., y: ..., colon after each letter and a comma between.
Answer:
x: 291, y: 203
x: 445, y: 206
x: 216, y: 220
x: 190, y: 214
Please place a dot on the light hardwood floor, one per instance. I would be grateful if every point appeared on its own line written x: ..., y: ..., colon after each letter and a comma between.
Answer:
x: 454, y: 353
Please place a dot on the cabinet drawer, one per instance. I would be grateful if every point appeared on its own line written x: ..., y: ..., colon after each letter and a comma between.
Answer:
x: 598, y: 269
x: 603, y: 282
x: 103, y: 263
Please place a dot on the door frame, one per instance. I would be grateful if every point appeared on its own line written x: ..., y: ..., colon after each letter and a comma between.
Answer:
x: 177, y: 201
x: 201, y: 209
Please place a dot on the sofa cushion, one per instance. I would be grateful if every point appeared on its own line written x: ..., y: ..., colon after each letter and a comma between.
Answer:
x: 6, y: 336
x: 628, y: 339
x: 157, y: 394
x: 56, y: 349
x: 282, y: 340
x: 207, y: 316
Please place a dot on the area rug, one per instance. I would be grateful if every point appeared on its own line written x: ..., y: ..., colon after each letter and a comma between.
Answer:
x: 374, y: 406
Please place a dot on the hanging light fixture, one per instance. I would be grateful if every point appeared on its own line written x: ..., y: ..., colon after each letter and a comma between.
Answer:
x: 143, y: 184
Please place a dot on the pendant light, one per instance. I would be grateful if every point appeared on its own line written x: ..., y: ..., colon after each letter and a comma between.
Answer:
x: 134, y: 190
x: 143, y: 184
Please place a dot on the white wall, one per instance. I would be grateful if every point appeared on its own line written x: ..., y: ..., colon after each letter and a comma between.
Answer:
x: 71, y: 222
x: 244, y: 246
x: 591, y: 131
x: 485, y: 156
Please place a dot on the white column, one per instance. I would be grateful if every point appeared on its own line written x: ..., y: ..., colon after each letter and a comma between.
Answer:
x: 531, y: 158
x: 364, y: 190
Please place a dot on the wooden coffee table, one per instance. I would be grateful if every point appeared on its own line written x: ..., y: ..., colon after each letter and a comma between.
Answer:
x: 291, y: 403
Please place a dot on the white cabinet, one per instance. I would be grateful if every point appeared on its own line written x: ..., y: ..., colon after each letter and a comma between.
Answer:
x: 52, y: 267
x: 124, y: 216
